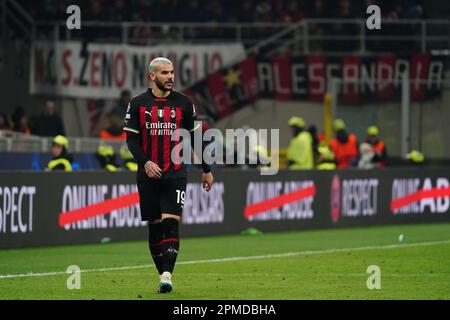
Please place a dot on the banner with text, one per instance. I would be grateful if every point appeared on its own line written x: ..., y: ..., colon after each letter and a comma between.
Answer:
x: 57, y: 208
x: 101, y: 71
x: 285, y: 78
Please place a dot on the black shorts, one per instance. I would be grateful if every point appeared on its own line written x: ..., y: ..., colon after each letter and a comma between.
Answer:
x: 157, y: 196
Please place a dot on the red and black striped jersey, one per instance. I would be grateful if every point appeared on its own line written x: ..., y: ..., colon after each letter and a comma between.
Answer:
x: 155, y: 120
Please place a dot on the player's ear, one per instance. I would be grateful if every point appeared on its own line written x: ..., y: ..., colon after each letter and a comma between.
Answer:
x: 151, y: 76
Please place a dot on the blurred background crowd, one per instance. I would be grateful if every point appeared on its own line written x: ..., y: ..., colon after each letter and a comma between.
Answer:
x: 346, y: 149
x: 213, y: 12
x: 286, y: 11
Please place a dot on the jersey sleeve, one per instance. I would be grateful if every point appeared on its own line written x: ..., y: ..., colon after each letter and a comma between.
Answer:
x: 131, y: 123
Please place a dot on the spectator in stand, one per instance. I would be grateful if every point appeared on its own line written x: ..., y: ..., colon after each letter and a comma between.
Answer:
x: 140, y: 34
x: 114, y: 120
x: 215, y: 14
x: 119, y: 11
x: 344, y: 146
x: 195, y: 12
x: 316, y: 10
x: 162, y: 11
x: 20, y: 121
x: 264, y: 11
x: 95, y: 12
x: 344, y: 11
x: 113, y: 129
x: 121, y: 108
x: 4, y: 123
x: 413, y: 10
x: 290, y: 12
x: 246, y: 12
x: 49, y: 123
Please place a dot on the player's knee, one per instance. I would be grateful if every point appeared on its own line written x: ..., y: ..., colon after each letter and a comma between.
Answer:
x: 171, y: 216
x: 155, y: 231
x: 170, y: 228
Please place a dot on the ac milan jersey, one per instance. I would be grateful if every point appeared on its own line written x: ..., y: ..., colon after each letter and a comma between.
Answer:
x: 155, y: 120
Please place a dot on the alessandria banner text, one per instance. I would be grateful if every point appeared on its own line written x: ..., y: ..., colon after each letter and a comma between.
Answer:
x: 56, y: 208
x: 375, y: 79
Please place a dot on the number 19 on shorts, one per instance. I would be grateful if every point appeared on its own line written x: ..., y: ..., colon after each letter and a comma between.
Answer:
x: 180, y: 197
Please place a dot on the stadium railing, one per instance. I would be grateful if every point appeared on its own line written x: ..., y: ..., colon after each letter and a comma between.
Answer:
x: 17, y: 142
x: 335, y: 36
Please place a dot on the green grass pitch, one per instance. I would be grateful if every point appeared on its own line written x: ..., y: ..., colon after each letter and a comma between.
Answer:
x: 322, y: 264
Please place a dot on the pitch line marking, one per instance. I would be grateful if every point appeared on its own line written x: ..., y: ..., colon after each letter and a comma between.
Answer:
x: 268, y: 256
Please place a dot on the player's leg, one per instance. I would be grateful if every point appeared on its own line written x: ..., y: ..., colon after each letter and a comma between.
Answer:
x: 172, y: 201
x: 169, y: 250
x: 171, y: 241
x: 155, y: 237
x: 149, y: 192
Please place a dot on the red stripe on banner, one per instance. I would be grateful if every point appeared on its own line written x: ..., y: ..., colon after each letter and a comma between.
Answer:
x: 350, y: 71
x: 249, y: 78
x: 419, y: 72
x: 316, y: 77
x: 166, y: 145
x: 97, y: 209
x: 385, y: 72
x: 260, y: 207
x: 177, y: 161
x: 154, y: 135
x: 142, y: 120
x: 219, y: 94
x: 419, y: 195
x: 282, y: 78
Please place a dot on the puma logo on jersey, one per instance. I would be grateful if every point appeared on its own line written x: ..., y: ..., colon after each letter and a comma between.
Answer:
x: 160, y: 113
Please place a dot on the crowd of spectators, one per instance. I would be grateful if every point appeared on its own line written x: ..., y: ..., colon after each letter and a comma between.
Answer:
x: 228, y: 11
x: 220, y: 11
x: 48, y: 123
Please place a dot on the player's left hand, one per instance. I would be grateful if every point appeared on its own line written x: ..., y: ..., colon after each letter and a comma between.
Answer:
x: 207, y: 181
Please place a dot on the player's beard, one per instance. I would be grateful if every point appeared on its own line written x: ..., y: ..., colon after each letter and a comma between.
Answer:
x: 161, y: 86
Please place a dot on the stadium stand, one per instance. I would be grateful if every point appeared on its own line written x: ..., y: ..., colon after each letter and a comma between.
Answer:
x: 265, y: 28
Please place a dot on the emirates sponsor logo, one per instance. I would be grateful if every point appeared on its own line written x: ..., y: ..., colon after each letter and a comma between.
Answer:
x: 160, y: 125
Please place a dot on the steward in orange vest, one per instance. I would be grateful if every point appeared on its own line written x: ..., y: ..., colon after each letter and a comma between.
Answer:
x: 379, y: 148
x: 344, y: 146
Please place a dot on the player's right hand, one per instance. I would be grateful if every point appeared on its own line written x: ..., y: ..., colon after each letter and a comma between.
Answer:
x: 207, y: 181
x: 152, y: 170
